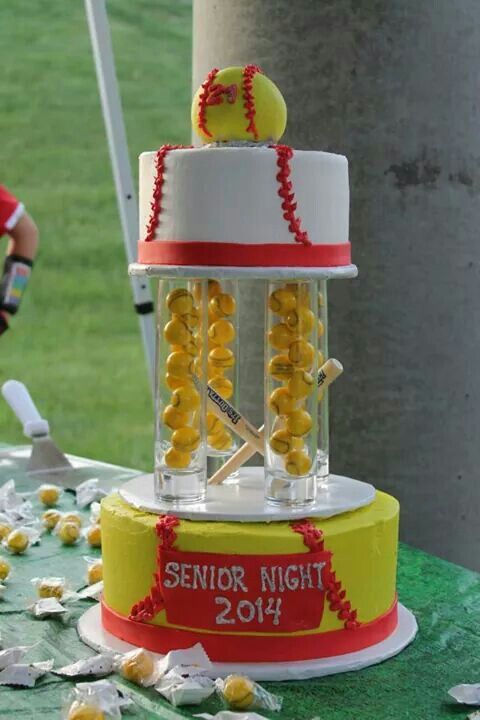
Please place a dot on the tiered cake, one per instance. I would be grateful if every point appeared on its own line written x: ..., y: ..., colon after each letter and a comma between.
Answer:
x: 294, y: 590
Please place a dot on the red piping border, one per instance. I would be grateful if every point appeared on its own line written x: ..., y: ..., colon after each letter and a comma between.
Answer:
x: 192, y: 252
x: 289, y: 205
x: 223, y: 647
x: 156, y: 203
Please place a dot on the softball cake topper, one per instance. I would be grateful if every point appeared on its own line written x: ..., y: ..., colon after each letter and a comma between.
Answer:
x: 239, y: 103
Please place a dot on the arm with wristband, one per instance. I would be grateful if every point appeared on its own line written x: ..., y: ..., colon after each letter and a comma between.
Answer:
x: 22, y: 247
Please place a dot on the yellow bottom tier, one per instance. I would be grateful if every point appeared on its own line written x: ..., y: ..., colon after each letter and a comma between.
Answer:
x: 285, y: 590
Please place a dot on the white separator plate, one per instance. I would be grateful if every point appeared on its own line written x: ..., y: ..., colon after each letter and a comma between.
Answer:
x: 247, y: 273
x: 91, y: 632
x: 243, y: 501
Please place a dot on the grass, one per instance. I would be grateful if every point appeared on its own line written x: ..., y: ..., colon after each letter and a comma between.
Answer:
x: 76, y: 342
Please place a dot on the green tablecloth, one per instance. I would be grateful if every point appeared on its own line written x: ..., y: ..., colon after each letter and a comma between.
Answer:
x: 444, y: 597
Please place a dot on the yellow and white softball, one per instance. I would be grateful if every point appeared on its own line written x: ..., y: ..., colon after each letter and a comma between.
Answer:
x: 186, y: 439
x: 282, y: 301
x: 186, y: 399
x: 281, y: 336
x: 281, y: 402
x: 175, y: 418
x: 282, y: 442
x: 180, y: 301
x: 177, y: 458
x: 299, y: 423
x: 297, y: 463
x: 214, y: 425
x: 301, y: 320
x: 179, y: 364
x: 176, y: 331
x: 222, y: 305
x: 221, y: 357
x: 222, y: 385
x: 239, y: 692
x: 301, y: 384
x: 221, y: 332
x: 280, y: 368
x: 301, y: 354
x: 221, y: 441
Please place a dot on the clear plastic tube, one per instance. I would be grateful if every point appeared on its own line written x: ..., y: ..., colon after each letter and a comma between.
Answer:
x: 222, y: 363
x: 323, y: 428
x: 180, y: 409
x: 291, y: 396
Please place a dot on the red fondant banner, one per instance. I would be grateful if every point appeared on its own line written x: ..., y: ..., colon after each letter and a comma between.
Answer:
x: 244, y: 593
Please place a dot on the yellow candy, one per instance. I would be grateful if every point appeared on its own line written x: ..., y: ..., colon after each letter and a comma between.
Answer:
x: 300, y: 384
x: 176, y: 332
x: 221, y: 357
x: 214, y: 288
x: 299, y: 422
x: 94, y: 536
x: 301, y: 354
x: 301, y: 292
x: 281, y: 402
x: 17, y: 541
x: 321, y: 328
x: 280, y: 367
x: 180, y: 301
x: 222, y: 386
x: 72, y: 518
x: 301, y: 320
x: 186, y: 399
x: 186, y: 439
x: 282, y: 442
x: 191, y: 347
x: 214, y: 425
x: 95, y: 572
x: 174, y: 382
x: 239, y: 692
x: 50, y: 518
x: 47, y: 590
x: 221, y: 332
x: 68, y: 532
x: 48, y: 495
x: 174, y: 418
x: 282, y: 301
x: 4, y: 569
x: 281, y: 337
x: 84, y: 711
x: 222, y: 441
x: 222, y: 305
x: 297, y: 463
x: 226, y: 120
x: 179, y: 364
x: 177, y: 459
x: 5, y: 529
x: 137, y: 666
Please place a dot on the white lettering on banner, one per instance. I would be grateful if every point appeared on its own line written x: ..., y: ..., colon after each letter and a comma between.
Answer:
x: 279, y: 579
x: 247, y: 612
x: 171, y: 568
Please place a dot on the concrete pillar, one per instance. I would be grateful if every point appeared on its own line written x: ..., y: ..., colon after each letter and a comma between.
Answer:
x: 394, y: 86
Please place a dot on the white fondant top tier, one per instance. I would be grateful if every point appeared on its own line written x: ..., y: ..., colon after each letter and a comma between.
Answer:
x: 231, y: 195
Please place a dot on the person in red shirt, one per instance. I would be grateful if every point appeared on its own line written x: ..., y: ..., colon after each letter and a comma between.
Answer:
x: 22, y: 247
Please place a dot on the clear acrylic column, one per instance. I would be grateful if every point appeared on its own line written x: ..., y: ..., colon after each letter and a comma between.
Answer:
x: 222, y: 365
x: 180, y: 408
x: 323, y: 428
x: 291, y: 396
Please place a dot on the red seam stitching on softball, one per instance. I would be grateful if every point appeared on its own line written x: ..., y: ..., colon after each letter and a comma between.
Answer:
x: 313, y: 539
x: 289, y: 206
x: 156, y: 203
x: 202, y: 101
x: 249, y: 71
x: 147, y: 608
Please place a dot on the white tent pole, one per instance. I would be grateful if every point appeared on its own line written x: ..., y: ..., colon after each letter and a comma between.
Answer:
x: 117, y: 143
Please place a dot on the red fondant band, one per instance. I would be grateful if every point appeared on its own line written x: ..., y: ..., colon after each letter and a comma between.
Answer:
x: 178, y: 252
x: 224, y: 647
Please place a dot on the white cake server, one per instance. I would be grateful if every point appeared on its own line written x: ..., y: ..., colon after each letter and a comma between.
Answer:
x: 45, y: 454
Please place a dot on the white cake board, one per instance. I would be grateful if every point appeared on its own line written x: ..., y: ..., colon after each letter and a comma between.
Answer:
x: 248, y: 273
x: 243, y: 501
x: 92, y: 634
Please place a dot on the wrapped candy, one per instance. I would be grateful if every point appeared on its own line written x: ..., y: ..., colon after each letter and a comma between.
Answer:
x: 192, y: 657
x: 93, y: 535
x: 95, y: 509
x: 50, y: 587
x: 466, y: 694
x: 97, y: 666
x: 24, y: 675
x: 4, y: 569
x: 13, y: 655
x: 49, y: 495
x: 89, y: 492
x: 46, y: 607
x: 96, y: 701
x: 69, y: 532
x: 94, y: 570
x: 138, y: 666
x: 72, y: 517
x: 241, y: 693
x: 17, y: 541
x: 5, y: 529
x: 182, y: 686
x: 51, y: 518
x: 91, y: 592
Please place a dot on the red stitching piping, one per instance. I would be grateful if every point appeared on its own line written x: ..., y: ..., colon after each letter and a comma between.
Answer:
x: 156, y: 203
x: 313, y: 539
x: 202, y: 101
x: 289, y: 206
x: 249, y: 71
x: 147, y: 608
